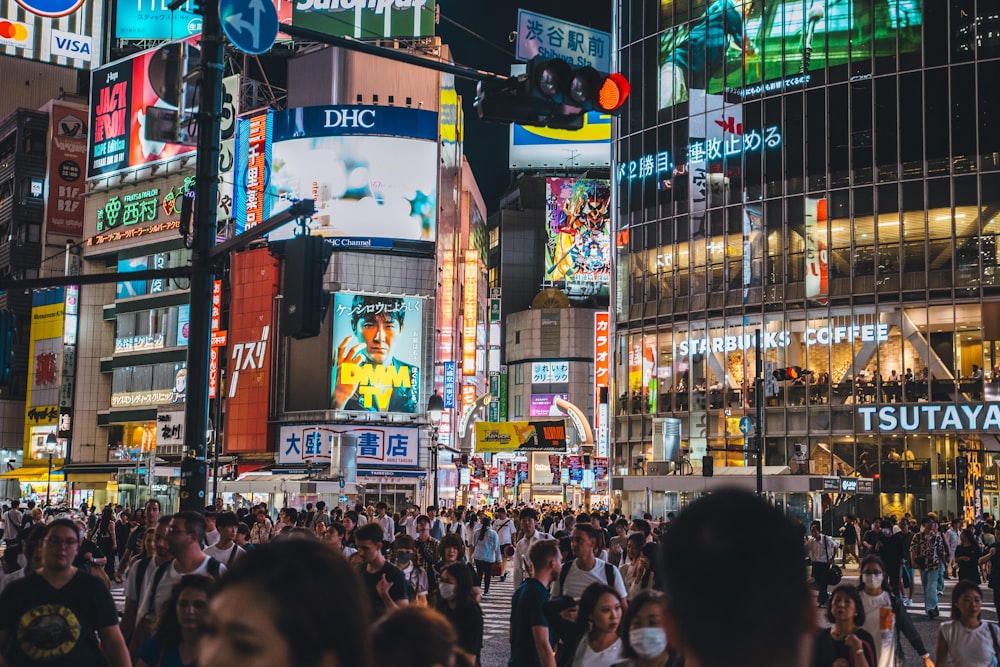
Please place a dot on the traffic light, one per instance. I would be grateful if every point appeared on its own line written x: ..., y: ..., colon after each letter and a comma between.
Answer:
x: 707, y: 466
x: 8, y: 326
x: 304, y: 301
x: 552, y: 93
x: 962, y: 466
x: 790, y: 373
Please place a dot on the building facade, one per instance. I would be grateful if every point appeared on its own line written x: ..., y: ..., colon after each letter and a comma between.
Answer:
x: 821, y: 184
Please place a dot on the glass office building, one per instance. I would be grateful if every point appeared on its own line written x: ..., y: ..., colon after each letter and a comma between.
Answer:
x: 823, y: 174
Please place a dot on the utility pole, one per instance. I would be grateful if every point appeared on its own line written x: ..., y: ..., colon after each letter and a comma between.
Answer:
x: 194, y: 468
x: 758, y: 436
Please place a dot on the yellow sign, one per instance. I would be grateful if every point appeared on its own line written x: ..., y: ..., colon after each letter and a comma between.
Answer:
x: 508, y: 436
x: 45, y: 348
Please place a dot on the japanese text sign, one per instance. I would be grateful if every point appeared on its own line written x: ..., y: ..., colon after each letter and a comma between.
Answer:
x: 377, y: 446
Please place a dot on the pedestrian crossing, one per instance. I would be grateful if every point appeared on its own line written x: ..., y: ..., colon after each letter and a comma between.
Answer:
x: 496, y: 610
x: 917, y: 608
x: 118, y: 594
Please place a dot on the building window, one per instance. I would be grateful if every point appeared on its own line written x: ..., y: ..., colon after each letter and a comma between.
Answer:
x: 517, y: 337
x: 517, y: 407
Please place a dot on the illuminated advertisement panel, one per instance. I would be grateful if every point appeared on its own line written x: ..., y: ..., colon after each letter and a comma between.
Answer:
x: 470, y: 302
x: 45, y: 352
x: 377, y: 352
x: 752, y: 47
x: 61, y: 32
x: 252, y: 205
x: 120, y: 94
x: 544, y: 405
x: 366, y: 19
x: 577, y: 227
x: 254, y: 285
x: 142, y: 19
x: 377, y: 446
x: 371, y: 170
x: 67, y: 169
x: 507, y: 436
x: 543, y: 372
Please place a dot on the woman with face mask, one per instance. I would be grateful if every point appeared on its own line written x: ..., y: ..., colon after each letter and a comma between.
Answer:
x: 457, y: 601
x: 644, y: 640
x: 886, y: 618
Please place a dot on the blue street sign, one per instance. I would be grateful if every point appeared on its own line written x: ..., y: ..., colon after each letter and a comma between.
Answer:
x: 251, y: 25
x: 746, y: 425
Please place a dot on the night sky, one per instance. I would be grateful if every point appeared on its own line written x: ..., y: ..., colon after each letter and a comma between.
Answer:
x: 486, y: 143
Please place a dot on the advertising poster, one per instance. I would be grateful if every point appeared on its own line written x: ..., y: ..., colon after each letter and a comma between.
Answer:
x: 371, y: 170
x: 377, y: 352
x: 120, y: 94
x: 817, y: 269
x: 750, y: 47
x: 60, y: 32
x: 545, y: 372
x: 577, y: 226
x: 507, y: 436
x: 544, y: 405
x: 377, y: 446
x: 254, y: 159
x: 67, y: 169
x: 366, y: 20
x: 135, y: 19
x: 45, y: 347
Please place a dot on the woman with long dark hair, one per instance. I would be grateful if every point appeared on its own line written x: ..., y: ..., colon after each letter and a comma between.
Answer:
x: 105, y: 537
x: 592, y: 639
x: 485, y: 552
x: 182, y: 621
x: 456, y: 588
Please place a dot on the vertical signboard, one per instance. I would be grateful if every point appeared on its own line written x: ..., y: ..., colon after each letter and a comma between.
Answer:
x: 449, y: 384
x: 255, y: 285
x: 602, y: 375
x: 67, y: 169
x: 227, y: 148
x: 470, y: 302
x: 213, y: 358
x: 253, y: 170
x: 45, y: 354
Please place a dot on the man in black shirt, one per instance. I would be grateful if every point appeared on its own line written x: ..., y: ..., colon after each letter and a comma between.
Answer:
x: 55, y: 615
x: 850, y: 534
x: 530, y: 644
x: 384, y: 582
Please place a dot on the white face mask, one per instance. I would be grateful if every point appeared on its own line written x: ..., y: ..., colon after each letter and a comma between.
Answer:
x: 447, y: 590
x: 648, y: 642
x: 872, y: 580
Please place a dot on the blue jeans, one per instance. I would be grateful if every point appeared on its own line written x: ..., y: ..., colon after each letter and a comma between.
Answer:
x: 929, y: 579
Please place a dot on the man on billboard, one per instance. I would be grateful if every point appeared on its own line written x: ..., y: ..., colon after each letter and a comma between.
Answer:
x: 367, y: 377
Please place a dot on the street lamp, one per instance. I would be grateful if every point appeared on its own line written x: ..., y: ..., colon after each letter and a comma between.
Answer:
x: 51, y: 444
x: 435, y: 408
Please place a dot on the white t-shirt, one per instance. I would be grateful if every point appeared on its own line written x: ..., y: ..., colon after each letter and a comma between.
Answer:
x: 880, y: 623
x: 223, y: 555
x: 577, y: 580
x: 969, y: 648
x: 410, y: 526
x: 505, y: 530
x: 167, y: 582
x: 387, y: 527
x: 588, y: 657
x: 211, y: 537
x: 12, y: 520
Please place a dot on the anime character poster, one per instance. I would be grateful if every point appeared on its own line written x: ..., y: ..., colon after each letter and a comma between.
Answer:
x: 578, y: 224
x: 377, y: 351
x: 750, y: 46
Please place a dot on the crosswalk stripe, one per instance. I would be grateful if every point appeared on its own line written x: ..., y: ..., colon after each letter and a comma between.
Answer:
x: 496, y: 609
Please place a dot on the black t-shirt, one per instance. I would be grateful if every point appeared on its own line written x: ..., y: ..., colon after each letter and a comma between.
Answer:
x: 850, y: 534
x: 392, y: 574
x: 826, y: 649
x: 87, y: 547
x: 56, y: 627
x: 525, y: 613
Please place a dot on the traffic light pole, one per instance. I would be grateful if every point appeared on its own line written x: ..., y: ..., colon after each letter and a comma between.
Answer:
x: 194, y: 468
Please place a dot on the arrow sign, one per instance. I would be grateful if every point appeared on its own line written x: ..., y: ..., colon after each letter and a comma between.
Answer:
x: 251, y: 25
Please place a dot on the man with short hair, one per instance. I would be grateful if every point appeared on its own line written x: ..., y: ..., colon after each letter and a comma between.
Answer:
x: 437, y: 526
x: 529, y: 535
x: 211, y: 530
x: 334, y: 536
x: 321, y: 519
x: 427, y: 546
x: 529, y: 629
x: 136, y: 627
x: 384, y: 582
x: 585, y: 568
x: 385, y: 522
x: 12, y: 520
x: 225, y: 550
x: 133, y: 545
x: 60, y: 615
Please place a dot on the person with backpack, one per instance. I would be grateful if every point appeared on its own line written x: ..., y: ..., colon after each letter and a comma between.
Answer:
x: 485, y: 552
x: 585, y: 568
x: 225, y: 550
x: 12, y: 519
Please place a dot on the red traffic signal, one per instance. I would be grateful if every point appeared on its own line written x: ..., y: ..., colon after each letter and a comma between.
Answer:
x: 790, y: 373
x: 614, y: 92
x: 583, y: 87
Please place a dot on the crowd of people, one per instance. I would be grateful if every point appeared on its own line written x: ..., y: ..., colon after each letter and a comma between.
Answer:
x: 365, y: 587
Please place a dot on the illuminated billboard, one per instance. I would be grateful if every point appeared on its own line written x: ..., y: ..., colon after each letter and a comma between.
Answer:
x: 45, y: 354
x: 67, y: 169
x: 371, y: 170
x: 60, y: 33
x: 578, y: 231
x: 752, y: 47
x: 532, y: 435
x: 377, y: 352
x: 366, y: 19
x: 120, y: 94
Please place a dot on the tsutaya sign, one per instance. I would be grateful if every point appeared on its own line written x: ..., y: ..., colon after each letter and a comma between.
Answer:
x: 866, y: 333
x: 931, y: 417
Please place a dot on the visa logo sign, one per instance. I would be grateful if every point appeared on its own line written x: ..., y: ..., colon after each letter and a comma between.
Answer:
x: 71, y: 45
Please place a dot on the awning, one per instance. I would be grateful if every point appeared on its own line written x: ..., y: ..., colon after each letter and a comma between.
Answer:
x: 281, y: 483
x: 32, y: 474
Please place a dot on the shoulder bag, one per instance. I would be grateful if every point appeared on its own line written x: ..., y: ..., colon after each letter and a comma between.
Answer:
x: 835, y: 574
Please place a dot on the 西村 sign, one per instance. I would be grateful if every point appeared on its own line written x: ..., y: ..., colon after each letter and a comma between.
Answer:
x: 548, y: 37
x: 377, y: 446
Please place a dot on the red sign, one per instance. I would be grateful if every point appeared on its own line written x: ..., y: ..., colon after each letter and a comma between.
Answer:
x: 67, y: 169
x: 219, y: 339
x: 255, y: 285
x: 602, y: 359
x: 216, y: 305
x: 213, y: 372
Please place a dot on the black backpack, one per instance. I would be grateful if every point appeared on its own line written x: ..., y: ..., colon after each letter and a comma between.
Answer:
x: 609, y: 574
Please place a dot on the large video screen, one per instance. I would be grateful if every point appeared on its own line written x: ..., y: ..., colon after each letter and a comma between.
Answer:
x: 578, y: 224
x: 377, y: 351
x: 753, y: 46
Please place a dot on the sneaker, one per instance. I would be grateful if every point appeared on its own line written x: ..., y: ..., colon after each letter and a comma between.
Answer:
x: 907, y: 602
